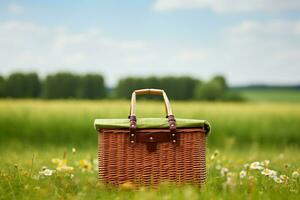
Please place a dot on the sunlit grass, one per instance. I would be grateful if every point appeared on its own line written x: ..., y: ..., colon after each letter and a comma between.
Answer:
x: 271, y: 95
x: 25, y: 175
x: 67, y: 122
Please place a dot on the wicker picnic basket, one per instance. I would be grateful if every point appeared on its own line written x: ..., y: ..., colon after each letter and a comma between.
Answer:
x: 148, y: 151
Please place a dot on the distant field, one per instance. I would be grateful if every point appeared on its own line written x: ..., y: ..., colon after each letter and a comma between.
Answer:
x: 71, y: 122
x: 271, y: 95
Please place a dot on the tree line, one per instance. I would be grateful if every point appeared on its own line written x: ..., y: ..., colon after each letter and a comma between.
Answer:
x: 64, y: 85
x: 54, y: 86
x: 180, y: 88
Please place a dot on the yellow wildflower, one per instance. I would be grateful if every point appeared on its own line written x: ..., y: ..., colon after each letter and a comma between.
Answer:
x: 284, y: 178
x: 59, y: 162
x: 85, y: 165
x: 65, y: 168
x: 127, y: 186
x: 214, y: 155
x: 62, y: 165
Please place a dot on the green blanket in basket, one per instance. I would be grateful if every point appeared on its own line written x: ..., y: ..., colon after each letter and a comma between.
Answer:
x: 151, y: 123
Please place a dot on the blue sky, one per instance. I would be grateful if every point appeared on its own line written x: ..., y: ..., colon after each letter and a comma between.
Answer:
x: 248, y: 41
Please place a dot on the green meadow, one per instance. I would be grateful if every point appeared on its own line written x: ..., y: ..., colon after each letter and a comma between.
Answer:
x: 48, y: 150
x: 271, y: 95
x: 36, y: 122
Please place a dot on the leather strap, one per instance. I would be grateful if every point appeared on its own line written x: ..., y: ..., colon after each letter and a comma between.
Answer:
x: 172, y: 126
x: 132, y: 129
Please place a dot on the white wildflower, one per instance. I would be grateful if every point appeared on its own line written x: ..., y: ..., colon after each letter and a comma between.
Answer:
x: 224, y: 171
x: 46, y: 172
x: 246, y: 166
x: 73, y: 150
x: 295, y: 174
x: 278, y: 180
x: 243, y: 174
x: 269, y: 173
x: 265, y: 163
x: 256, y: 165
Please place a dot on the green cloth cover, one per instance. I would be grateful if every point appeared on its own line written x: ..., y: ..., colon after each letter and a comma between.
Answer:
x: 151, y: 123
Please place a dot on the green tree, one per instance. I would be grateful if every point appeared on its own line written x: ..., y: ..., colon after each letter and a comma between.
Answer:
x: 127, y: 85
x: 15, y: 86
x: 180, y: 88
x: 212, y: 90
x: 61, y: 86
x: 221, y: 81
x: 2, y: 87
x: 19, y: 85
x: 33, y: 85
x: 92, y: 87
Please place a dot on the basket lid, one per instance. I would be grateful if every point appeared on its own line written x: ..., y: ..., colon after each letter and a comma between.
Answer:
x: 151, y: 123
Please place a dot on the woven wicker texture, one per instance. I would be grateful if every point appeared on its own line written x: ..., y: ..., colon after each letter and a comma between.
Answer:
x: 121, y: 162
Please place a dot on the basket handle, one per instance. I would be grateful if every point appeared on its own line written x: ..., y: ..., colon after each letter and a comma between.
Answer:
x: 153, y: 92
x: 170, y: 116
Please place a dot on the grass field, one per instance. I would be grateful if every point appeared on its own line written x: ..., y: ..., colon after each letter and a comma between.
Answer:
x: 37, y: 137
x: 67, y: 122
x: 22, y: 176
x: 271, y: 95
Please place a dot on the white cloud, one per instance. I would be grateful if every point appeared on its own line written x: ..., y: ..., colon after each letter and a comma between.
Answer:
x: 250, y: 52
x: 15, y: 9
x: 228, y: 6
x: 258, y: 52
x: 28, y: 46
